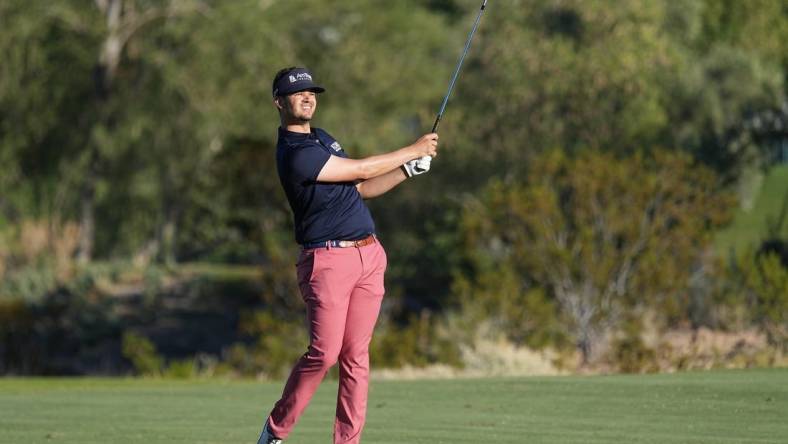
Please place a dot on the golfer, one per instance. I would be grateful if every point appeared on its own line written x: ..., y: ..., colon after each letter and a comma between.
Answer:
x: 341, y: 266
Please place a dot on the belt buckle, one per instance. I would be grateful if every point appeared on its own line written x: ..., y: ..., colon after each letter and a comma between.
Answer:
x: 353, y: 243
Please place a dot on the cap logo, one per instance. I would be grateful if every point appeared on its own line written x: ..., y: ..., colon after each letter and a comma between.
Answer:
x: 299, y: 77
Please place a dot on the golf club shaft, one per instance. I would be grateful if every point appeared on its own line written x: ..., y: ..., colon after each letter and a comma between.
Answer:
x: 459, y: 65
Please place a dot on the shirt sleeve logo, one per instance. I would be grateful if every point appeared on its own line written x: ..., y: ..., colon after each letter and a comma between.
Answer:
x: 336, y: 146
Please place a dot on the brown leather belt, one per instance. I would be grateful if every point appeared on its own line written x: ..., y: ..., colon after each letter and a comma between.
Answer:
x: 342, y: 243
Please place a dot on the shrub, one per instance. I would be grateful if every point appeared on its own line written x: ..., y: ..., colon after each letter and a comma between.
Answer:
x: 766, y: 282
x: 421, y: 342
x: 142, y: 354
x: 279, y: 343
x: 632, y: 355
x: 181, y: 369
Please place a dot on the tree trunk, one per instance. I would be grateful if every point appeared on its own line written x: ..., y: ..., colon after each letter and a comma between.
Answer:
x: 87, y: 224
x: 102, y: 76
x: 586, y: 340
x: 584, y: 345
x: 168, y: 235
x: 87, y: 229
x: 8, y: 211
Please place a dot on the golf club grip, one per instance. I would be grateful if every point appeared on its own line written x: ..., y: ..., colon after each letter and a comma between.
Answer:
x: 434, y: 129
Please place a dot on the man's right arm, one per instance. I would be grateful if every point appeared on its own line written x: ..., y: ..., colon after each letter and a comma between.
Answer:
x: 340, y: 169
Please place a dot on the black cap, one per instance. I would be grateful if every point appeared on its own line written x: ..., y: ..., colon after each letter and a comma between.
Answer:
x: 294, y: 80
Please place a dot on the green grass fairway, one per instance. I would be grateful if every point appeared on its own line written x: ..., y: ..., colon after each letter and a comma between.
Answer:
x: 750, y: 227
x: 703, y: 407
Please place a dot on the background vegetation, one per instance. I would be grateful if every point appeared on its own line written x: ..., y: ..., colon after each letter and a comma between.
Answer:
x: 611, y: 188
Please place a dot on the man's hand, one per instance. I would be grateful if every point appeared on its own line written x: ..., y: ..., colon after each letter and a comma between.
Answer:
x: 427, y: 145
x: 417, y: 166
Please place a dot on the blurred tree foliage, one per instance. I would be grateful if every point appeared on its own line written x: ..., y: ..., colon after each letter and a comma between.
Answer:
x: 142, y: 131
x: 765, y: 278
x: 599, y: 244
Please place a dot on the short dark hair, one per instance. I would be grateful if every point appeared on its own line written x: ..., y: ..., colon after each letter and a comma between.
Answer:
x: 281, y: 73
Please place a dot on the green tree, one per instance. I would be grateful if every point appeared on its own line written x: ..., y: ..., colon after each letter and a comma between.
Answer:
x: 604, y: 236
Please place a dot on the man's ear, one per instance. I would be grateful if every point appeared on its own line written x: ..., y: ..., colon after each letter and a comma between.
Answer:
x: 278, y: 102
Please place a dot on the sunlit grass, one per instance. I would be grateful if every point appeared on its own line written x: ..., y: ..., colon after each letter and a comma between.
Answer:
x: 698, y: 407
x: 750, y: 226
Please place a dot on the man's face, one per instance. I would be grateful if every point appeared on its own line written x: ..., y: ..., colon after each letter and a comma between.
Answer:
x: 299, y: 106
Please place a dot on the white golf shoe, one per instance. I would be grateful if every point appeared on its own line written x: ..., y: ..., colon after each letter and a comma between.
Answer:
x: 266, y: 437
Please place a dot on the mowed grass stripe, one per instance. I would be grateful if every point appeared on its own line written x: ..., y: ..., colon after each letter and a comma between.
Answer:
x: 704, y: 407
x: 700, y: 407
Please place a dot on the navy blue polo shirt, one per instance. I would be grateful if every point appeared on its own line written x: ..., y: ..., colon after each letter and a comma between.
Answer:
x: 322, y: 210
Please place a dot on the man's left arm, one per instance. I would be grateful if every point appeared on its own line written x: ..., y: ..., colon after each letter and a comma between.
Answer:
x: 379, y: 185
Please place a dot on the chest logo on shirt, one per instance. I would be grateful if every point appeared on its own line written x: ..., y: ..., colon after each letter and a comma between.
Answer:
x: 336, y: 146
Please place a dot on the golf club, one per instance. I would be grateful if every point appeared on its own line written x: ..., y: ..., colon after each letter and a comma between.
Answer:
x: 457, y: 71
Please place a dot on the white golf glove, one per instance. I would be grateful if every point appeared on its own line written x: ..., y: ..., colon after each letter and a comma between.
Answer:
x: 417, y: 166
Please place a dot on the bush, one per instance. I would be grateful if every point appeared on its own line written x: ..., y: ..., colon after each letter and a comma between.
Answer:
x: 632, y: 355
x: 421, y: 342
x: 142, y: 354
x: 181, y: 369
x: 766, y: 282
x: 29, y: 284
x: 16, y: 322
x: 279, y: 343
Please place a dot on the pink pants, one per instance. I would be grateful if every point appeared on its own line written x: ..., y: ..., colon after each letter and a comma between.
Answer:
x: 343, y: 290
